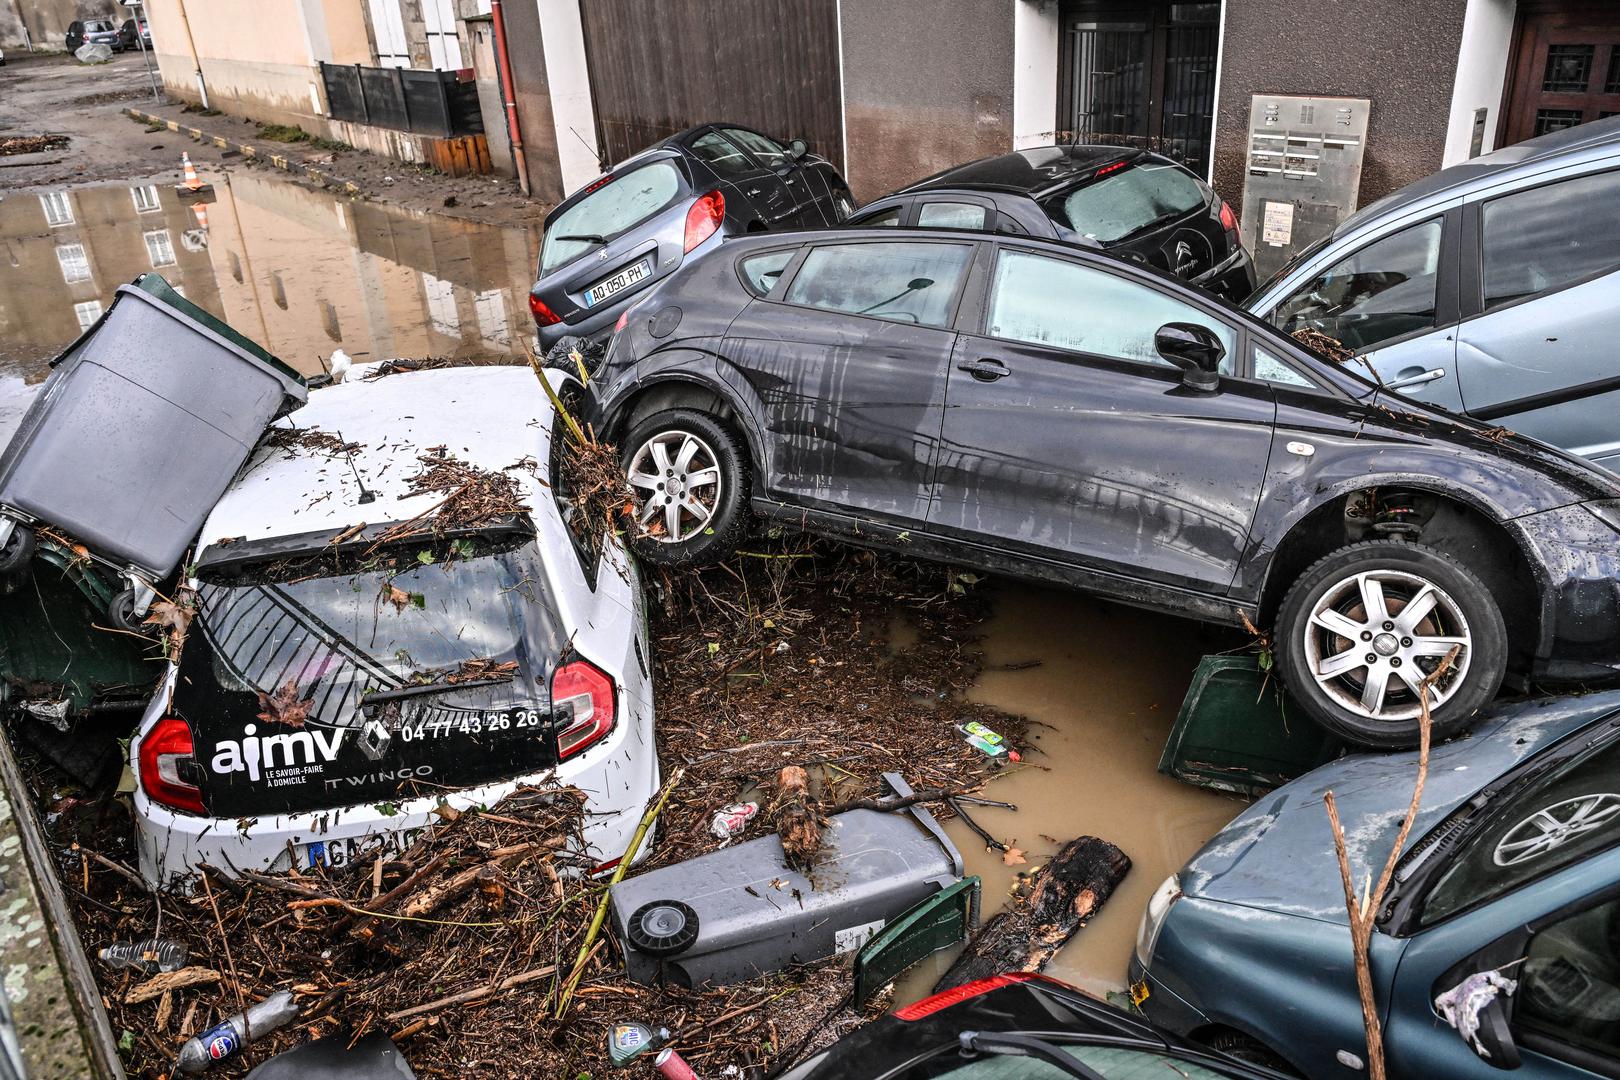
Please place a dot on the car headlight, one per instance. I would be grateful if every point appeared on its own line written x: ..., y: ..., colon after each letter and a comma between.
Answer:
x: 1607, y: 512
x: 1158, y: 906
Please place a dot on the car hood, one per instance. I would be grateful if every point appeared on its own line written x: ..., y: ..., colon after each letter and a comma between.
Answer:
x: 1278, y: 854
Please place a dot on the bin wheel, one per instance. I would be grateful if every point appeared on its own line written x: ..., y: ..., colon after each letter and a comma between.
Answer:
x: 663, y: 928
x: 121, y: 611
x: 17, y: 550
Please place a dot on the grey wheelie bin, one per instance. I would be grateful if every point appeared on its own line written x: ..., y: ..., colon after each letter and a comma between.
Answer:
x: 135, y: 435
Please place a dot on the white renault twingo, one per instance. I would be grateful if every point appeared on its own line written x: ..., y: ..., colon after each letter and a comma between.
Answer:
x: 347, y: 672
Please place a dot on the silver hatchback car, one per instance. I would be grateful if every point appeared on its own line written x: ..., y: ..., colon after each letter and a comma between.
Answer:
x: 1491, y: 288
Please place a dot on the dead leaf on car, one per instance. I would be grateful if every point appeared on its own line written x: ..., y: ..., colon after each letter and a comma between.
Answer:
x: 173, y: 619
x: 1013, y: 857
x: 396, y: 596
x: 286, y: 705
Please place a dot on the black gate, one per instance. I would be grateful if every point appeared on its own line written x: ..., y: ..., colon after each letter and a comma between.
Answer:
x: 1141, y: 74
x: 659, y: 68
x: 424, y: 102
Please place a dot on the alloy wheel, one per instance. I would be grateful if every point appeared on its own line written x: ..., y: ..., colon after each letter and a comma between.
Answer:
x: 1554, y: 826
x: 677, y: 476
x: 1374, y: 636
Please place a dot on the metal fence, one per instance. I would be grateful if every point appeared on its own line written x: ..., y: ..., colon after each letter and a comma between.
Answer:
x: 406, y: 99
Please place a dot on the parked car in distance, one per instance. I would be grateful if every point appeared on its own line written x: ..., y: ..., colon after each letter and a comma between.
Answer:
x: 1513, y: 866
x: 1016, y: 1026
x: 306, y: 603
x: 127, y: 35
x: 1036, y: 409
x: 1491, y: 288
x: 94, y: 32
x: 1130, y: 203
x: 671, y: 204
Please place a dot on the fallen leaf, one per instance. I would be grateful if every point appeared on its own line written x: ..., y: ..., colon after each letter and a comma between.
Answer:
x: 1013, y: 857
x: 173, y: 617
x: 396, y: 596
x: 285, y: 706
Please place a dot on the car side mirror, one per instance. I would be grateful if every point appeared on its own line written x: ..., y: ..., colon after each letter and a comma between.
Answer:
x: 1195, y: 350
x: 797, y: 149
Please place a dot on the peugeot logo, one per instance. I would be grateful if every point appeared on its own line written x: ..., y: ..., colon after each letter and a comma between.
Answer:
x: 601, y: 256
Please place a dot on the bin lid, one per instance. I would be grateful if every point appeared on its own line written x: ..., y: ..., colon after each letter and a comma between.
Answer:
x: 155, y: 286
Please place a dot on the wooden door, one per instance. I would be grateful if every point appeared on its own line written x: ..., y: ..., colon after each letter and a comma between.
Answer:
x: 1564, y: 69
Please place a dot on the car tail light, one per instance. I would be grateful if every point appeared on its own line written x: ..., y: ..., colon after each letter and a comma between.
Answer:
x: 586, y: 695
x: 1106, y: 169
x: 946, y: 998
x: 168, y: 766
x: 543, y: 315
x: 1229, y: 220
x: 704, y: 217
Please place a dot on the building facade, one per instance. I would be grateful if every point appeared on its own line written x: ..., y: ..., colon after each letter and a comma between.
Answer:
x: 892, y: 90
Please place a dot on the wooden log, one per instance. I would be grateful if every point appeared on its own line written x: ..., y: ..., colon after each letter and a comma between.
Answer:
x: 796, y: 816
x: 1045, y: 911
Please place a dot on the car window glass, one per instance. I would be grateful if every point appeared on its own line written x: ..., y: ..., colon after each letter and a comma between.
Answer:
x: 763, y: 271
x: 1111, y: 1062
x: 1570, y: 985
x: 721, y: 156
x: 911, y: 283
x: 768, y: 151
x: 1382, y: 291
x: 1064, y: 305
x: 615, y: 207
x: 1548, y: 822
x: 1129, y: 201
x: 1271, y: 369
x: 950, y: 215
x: 890, y: 216
x: 1009, y: 226
x: 1549, y: 237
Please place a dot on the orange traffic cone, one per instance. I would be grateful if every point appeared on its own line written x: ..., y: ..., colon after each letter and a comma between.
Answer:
x: 201, y: 213
x: 192, y: 181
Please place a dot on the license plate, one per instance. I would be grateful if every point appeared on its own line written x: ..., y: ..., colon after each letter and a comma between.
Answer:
x: 618, y: 282
x: 341, y: 852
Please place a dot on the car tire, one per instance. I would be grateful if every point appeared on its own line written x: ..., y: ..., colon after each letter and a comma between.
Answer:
x: 1251, y: 1050
x: 708, y: 444
x: 1369, y: 696
x: 18, y: 550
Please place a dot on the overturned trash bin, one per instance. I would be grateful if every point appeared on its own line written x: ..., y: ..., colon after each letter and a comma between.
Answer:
x: 136, y: 434
x: 741, y: 912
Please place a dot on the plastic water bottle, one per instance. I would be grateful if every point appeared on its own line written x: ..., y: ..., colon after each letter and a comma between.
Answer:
x: 146, y: 956
x: 228, y: 1036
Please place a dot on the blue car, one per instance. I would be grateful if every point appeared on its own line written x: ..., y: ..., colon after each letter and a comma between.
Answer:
x: 1513, y: 866
x: 1491, y: 288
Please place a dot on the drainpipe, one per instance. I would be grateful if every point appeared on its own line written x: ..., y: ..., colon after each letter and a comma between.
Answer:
x: 202, y: 87
x: 509, y: 97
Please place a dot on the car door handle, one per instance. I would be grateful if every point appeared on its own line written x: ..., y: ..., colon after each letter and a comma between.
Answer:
x: 985, y: 370
x: 1417, y: 379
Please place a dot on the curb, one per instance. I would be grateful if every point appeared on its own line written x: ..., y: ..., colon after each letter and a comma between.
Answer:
x: 248, y: 150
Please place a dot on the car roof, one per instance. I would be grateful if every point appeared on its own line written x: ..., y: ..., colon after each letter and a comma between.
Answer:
x: 1541, y: 150
x: 669, y: 147
x: 492, y: 417
x: 1034, y: 171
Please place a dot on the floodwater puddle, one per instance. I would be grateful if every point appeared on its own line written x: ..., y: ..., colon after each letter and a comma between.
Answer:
x: 1101, y: 684
x: 302, y: 271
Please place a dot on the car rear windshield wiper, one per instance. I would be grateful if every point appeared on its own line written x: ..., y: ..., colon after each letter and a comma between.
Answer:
x: 1010, y: 1045
x: 584, y: 238
x: 376, y: 697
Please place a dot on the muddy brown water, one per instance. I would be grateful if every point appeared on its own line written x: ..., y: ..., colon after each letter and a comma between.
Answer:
x: 302, y: 271
x: 1102, y: 684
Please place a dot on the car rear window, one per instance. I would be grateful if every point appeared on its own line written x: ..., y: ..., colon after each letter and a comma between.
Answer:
x: 1128, y: 201
x: 614, y: 208
x: 301, y: 646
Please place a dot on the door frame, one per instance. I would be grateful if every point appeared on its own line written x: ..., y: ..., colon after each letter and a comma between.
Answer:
x: 1517, y: 88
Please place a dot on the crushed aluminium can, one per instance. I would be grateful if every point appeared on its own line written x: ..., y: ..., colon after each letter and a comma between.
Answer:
x: 729, y: 821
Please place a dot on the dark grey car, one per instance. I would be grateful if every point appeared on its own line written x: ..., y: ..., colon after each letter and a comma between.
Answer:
x: 670, y: 204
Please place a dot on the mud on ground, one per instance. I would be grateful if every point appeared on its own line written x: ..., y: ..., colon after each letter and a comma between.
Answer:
x: 776, y: 657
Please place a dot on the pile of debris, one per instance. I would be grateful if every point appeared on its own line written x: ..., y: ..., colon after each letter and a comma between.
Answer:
x: 12, y: 145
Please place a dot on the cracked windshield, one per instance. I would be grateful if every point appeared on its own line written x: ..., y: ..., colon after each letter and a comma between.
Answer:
x: 544, y: 538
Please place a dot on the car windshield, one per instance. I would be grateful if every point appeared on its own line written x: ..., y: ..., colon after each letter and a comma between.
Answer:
x: 612, y: 209
x: 1555, y: 817
x: 311, y: 642
x: 1136, y: 197
x: 1110, y: 1062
